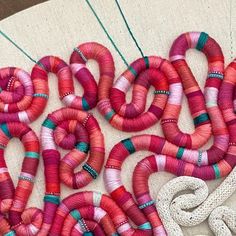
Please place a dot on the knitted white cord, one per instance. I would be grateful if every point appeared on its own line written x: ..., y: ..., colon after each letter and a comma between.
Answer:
x: 172, y: 210
x: 221, y: 220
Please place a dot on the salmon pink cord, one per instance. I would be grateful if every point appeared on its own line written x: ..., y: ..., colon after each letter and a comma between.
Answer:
x: 204, y: 109
x: 143, y: 73
x: 13, y: 201
x: 79, y: 132
x: 206, y: 113
x: 24, y: 97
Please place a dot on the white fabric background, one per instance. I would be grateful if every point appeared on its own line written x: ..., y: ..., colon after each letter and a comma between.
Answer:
x: 57, y: 26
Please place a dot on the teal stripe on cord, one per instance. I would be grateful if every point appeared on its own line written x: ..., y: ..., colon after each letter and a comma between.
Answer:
x: 5, y: 130
x: 128, y: 145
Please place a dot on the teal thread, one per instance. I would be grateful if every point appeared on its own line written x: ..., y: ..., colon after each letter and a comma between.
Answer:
x: 90, y: 170
x: 85, y: 105
x: 217, y: 171
x: 200, y: 119
x: 76, y: 215
x: 129, y: 29
x: 202, y: 41
x: 109, y: 115
x: 17, y: 46
x: 146, y: 62
x: 5, y: 130
x: 82, y: 146
x: 107, y: 34
x: 41, y: 65
x: 128, y: 145
x: 52, y: 198
x: 42, y: 95
x: 145, y: 226
x: 180, y: 153
x: 146, y: 204
x: 10, y: 233
x: 49, y: 124
x: 32, y: 154
x: 133, y: 71
x: 214, y: 75
x: 88, y: 234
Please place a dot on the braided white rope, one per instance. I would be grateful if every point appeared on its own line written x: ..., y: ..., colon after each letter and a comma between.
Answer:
x: 175, y: 211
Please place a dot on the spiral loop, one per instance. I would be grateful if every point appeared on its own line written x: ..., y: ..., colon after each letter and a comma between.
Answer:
x: 79, y: 132
x: 73, y: 215
x: 24, y: 97
x: 88, y: 219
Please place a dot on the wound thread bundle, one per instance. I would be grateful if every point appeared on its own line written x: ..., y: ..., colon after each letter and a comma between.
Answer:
x: 79, y: 132
x: 104, y: 211
x: 65, y: 83
x: 13, y: 200
x: 159, y: 163
x: 217, y: 162
x: 143, y: 73
x: 203, y: 109
x: 89, y: 213
x: 24, y: 97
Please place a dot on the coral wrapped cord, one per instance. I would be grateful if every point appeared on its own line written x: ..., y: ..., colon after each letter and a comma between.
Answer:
x: 13, y: 200
x: 79, y: 132
x: 23, y: 97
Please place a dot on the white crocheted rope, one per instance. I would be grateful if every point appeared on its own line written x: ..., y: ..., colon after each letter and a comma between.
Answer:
x: 175, y: 211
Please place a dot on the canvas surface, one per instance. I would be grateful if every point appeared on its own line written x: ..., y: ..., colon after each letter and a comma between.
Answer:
x: 57, y: 26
